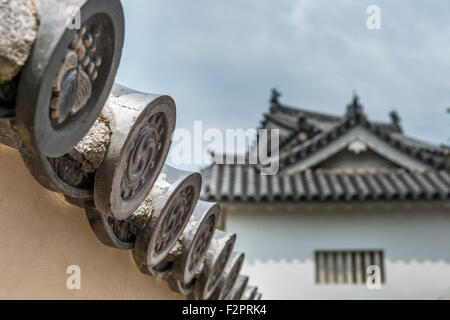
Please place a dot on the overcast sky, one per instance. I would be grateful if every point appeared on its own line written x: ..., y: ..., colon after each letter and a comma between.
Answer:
x: 219, y: 59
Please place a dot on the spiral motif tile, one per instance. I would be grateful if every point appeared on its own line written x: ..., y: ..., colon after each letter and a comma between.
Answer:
x: 201, y: 244
x: 219, y: 267
x: 177, y: 214
x: 144, y: 155
x: 232, y: 277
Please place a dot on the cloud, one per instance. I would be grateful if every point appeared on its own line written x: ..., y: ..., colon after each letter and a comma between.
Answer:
x: 219, y: 59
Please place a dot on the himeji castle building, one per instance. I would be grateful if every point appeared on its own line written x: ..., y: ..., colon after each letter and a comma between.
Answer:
x: 358, y: 210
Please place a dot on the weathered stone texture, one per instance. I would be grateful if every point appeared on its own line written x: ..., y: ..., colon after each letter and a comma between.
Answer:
x: 86, y: 156
x: 18, y: 30
x: 93, y: 147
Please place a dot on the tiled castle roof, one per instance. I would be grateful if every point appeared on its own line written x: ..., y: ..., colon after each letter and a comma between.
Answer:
x: 310, y: 131
x: 243, y: 183
x: 430, y: 154
x: 322, y: 129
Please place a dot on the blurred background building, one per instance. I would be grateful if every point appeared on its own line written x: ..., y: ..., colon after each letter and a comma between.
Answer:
x: 351, y: 194
x: 370, y: 191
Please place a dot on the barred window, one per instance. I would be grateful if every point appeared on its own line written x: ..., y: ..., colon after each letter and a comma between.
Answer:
x: 347, y: 267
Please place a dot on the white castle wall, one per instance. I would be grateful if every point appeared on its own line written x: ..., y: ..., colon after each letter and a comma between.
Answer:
x: 280, y: 241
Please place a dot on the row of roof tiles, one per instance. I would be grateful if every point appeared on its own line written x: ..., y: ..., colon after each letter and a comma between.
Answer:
x: 244, y: 183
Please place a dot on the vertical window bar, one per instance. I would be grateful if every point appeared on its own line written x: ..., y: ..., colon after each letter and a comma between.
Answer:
x: 377, y: 262
x: 349, y: 267
x: 367, y: 264
x: 340, y: 278
x: 321, y: 267
x: 331, y: 268
x: 383, y: 274
x: 358, y: 268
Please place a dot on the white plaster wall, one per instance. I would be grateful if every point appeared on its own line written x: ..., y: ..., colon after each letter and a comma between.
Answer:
x: 280, y: 242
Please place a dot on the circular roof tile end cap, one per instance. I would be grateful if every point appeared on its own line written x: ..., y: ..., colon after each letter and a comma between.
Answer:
x: 179, y: 287
x: 142, y: 126
x: 195, y: 241
x: 238, y: 289
x: 69, y: 73
x: 232, y: 271
x: 218, y: 291
x: 249, y: 293
x: 111, y: 232
x: 173, y: 199
x: 215, y: 262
